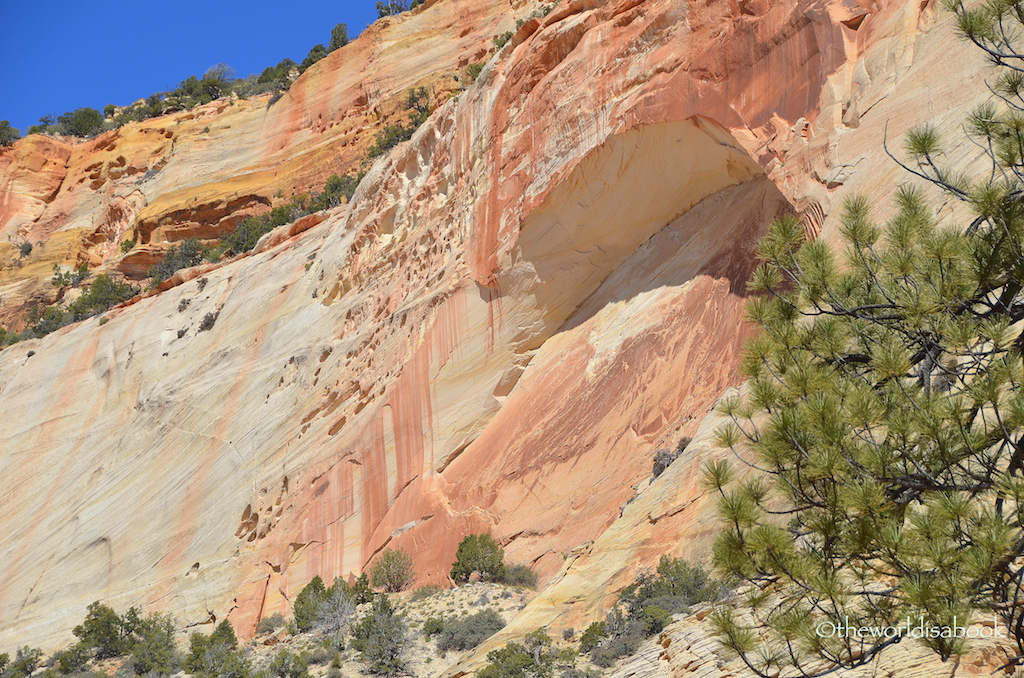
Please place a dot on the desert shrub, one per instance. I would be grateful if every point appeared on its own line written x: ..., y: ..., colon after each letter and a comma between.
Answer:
x: 26, y: 660
x: 154, y: 651
x: 393, y: 571
x: 126, y: 246
x: 533, y: 658
x: 270, y: 623
x: 481, y: 554
x: 7, y: 338
x: 73, y: 659
x: 217, y: 654
x: 101, y: 295
x: 319, y: 656
x: 107, y: 633
x: 646, y: 606
x: 208, y: 321
x: 417, y: 104
x: 592, y: 636
x: 286, y: 664
x: 276, y: 77
x: 519, y: 574
x: 467, y: 632
x: 424, y: 592
x: 501, y: 39
x: 24, y: 249
x: 675, y: 585
x: 307, y: 604
x: 577, y: 672
x: 474, y: 71
x: 380, y: 638
x: 248, y: 233
x: 8, y: 134
x: 337, y: 610
x: 664, y: 458
x: 433, y: 626
x: 361, y: 591
x: 65, y: 278
x: 184, y: 255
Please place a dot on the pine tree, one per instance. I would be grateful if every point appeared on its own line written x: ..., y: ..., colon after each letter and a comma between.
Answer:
x: 885, y: 415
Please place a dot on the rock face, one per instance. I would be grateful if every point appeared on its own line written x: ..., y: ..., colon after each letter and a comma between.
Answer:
x: 517, y: 309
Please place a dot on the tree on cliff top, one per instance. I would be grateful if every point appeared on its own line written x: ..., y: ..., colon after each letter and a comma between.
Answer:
x: 886, y: 413
x: 339, y: 37
x: 8, y: 134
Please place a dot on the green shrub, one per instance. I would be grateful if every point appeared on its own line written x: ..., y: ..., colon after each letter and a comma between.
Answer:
x: 393, y: 571
x: 501, y: 39
x: 468, y: 632
x: 208, y: 321
x: 433, y: 626
x: 481, y: 554
x: 534, y: 658
x: 271, y: 623
x: 336, y: 611
x: 26, y: 660
x: 417, y: 105
x: 126, y: 246
x: 519, y: 574
x: 663, y: 458
x: 217, y: 655
x: 474, y: 71
x: 73, y: 659
x: 153, y: 652
x: 277, y: 77
x: 106, y: 633
x: 380, y: 638
x: 592, y: 636
x: 184, y: 255
x: 100, y: 296
x: 8, y: 134
x: 307, y: 604
x: 424, y: 592
x: 287, y: 665
x: 675, y: 586
x: 646, y: 606
x: 319, y: 656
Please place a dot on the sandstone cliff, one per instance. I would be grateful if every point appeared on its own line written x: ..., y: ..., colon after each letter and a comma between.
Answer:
x: 518, y: 307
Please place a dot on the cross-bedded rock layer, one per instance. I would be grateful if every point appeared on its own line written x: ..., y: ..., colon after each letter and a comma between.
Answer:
x: 518, y: 307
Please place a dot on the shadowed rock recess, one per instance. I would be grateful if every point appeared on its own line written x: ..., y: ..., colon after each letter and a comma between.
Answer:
x: 519, y: 306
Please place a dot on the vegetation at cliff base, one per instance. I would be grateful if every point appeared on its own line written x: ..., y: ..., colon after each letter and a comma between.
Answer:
x: 380, y: 638
x: 393, y: 571
x: 480, y: 554
x: 646, y: 606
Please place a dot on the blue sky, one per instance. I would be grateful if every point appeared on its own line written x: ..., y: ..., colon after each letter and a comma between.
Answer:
x: 60, y: 55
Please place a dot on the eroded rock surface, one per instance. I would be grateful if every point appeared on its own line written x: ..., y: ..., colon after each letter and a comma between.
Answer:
x: 519, y: 306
